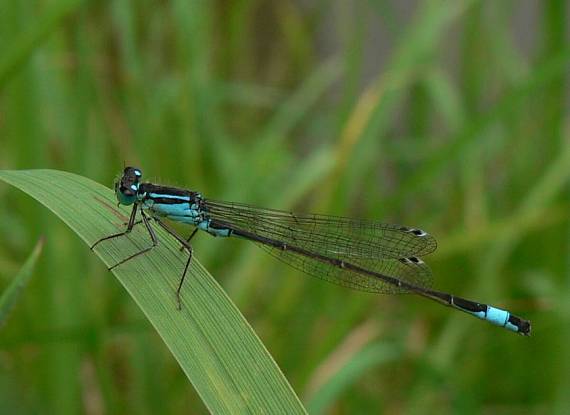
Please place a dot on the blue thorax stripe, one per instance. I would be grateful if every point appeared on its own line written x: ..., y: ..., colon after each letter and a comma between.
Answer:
x: 169, y: 196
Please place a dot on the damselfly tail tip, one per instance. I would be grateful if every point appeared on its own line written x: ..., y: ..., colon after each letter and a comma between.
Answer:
x: 523, y: 327
x: 526, y: 328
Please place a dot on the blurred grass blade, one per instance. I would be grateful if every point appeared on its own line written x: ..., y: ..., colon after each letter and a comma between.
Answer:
x: 15, y: 54
x: 11, y: 295
x: 213, y: 343
x: 474, y: 128
x: 366, y: 360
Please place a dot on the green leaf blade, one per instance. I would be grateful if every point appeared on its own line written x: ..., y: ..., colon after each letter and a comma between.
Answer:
x: 213, y: 343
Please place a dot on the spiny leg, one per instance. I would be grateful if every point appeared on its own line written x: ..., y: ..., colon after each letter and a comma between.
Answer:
x: 130, y: 226
x: 189, y: 239
x: 138, y: 222
x: 188, y: 247
x: 142, y: 251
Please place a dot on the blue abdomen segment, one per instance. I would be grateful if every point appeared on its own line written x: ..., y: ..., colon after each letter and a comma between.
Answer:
x: 493, y: 315
x: 206, y: 225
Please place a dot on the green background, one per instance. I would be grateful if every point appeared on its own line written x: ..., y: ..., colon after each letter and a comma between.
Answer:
x: 446, y: 115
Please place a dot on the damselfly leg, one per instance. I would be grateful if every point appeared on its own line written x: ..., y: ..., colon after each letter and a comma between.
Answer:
x: 145, y: 250
x: 130, y: 227
x: 189, y: 238
x: 185, y: 244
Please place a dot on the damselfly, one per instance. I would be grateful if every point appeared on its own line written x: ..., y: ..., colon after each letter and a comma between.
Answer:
x: 359, y: 254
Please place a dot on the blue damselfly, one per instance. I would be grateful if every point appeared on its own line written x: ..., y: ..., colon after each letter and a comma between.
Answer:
x: 358, y: 254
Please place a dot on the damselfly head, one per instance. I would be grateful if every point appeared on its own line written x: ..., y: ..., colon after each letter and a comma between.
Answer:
x: 127, y: 186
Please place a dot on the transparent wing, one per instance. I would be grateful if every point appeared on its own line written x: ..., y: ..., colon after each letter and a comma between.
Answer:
x: 333, y: 236
x: 405, y: 269
x: 387, y: 250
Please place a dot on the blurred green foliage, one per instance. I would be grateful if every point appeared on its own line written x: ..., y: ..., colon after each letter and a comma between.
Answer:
x: 452, y: 116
